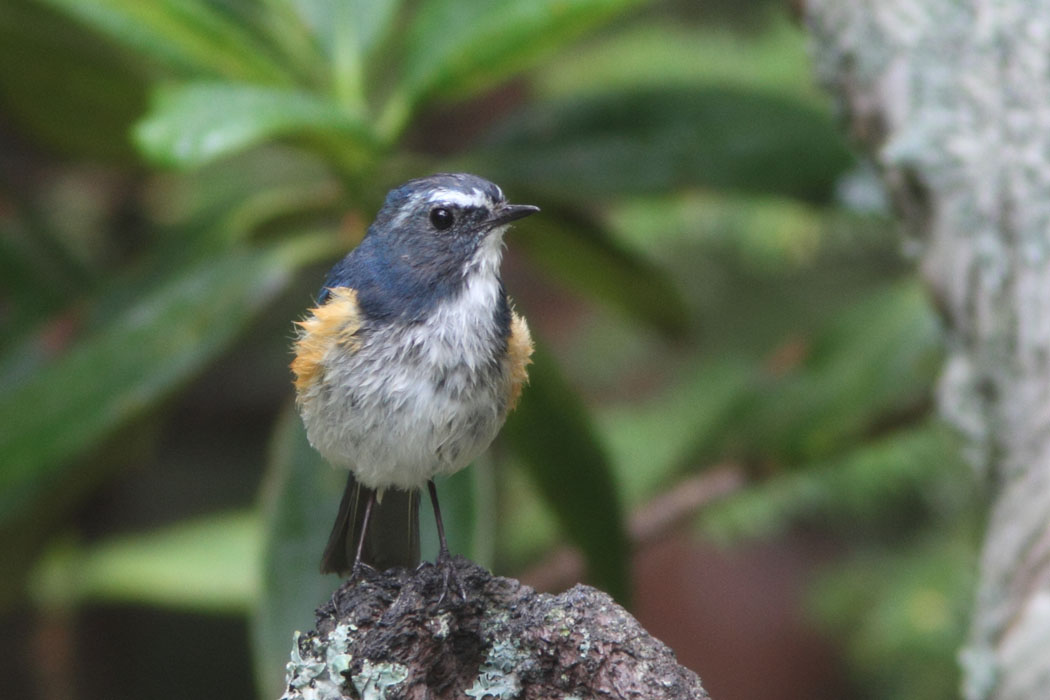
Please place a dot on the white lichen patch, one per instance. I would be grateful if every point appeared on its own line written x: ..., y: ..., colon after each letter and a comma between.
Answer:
x: 317, y: 675
x: 374, y: 680
x: 496, y: 676
x: 336, y: 655
x: 562, y: 621
x: 302, y: 671
x: 439, y: 625
x: 585, y: 641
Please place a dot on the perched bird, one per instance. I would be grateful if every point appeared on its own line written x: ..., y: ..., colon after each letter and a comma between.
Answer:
x: 411, y: 360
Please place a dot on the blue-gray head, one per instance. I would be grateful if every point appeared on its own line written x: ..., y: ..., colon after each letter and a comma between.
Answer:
x: 445, y: 225
x: 445, y: 218
x: 428, y: 239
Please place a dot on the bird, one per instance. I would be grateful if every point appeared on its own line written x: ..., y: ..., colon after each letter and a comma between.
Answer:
x: 410, y: 361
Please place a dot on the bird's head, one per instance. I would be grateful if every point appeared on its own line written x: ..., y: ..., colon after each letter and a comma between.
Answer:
x: 448, y: 224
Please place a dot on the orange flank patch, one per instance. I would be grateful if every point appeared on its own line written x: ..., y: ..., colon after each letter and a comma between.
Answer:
x: 519, y: 352
x: 333, y: 323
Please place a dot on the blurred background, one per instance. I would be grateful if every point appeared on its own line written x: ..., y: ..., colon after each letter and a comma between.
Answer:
x: 729, y: 426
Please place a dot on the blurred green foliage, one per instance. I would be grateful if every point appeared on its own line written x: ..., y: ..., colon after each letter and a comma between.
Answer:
x: 188, y: 164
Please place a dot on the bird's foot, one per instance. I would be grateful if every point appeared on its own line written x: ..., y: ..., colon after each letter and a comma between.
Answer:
x: 449, y: 577
x: 361, y: 571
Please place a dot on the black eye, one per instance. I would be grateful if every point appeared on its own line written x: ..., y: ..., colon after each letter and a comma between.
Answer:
x: 441, y: 218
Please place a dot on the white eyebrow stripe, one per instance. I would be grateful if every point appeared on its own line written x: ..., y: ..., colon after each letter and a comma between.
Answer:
x: 474, y: 198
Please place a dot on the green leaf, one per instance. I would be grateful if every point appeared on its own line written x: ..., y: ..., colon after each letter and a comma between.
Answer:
x: 125, y: 368
x: 189, y: 125
x: 768, y: 235
x: 663, y: 50
x: 456, y: 47
x: 192, y: 36
x: 876, y: 359
x: 583, y: 256
x: 552, y: 433
x: 902, y: 614
x: 895, y: 473
x: 360, y: 24
x: 346, y: 32
x: 205, y: 565
x: 870, y: 367
x: 36, y: 279
x: 66, y: 86
x: 653, y: 442
x: 300, y: 499
x: 651, y: 141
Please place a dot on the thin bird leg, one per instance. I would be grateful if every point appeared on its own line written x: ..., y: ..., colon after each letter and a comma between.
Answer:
x: 358, y: 564
x: 444, y: 560
x: 443, y: 547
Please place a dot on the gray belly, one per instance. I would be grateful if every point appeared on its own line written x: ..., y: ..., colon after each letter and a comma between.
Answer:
x: 408, y: 404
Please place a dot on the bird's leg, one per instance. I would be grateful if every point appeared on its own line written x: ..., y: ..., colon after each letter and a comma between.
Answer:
x: 360, y: 566
x: 444, y: 559
x: 443, y: 552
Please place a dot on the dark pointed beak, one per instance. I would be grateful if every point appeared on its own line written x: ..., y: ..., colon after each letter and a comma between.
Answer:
x: 511, y: 212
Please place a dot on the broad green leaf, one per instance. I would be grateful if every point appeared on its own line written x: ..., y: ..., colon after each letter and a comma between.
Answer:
x: 658, y: 51
x: 902, y: 614
x: 357, y: 24
x: 900, y: 472
x: 652, y: 442
x: 191, y: 124
x: 300, y: 499
x: 455, y: 47
x: 209, y: 564
x: 193, y: 36
x: 654, y: 140
x: 350, y: 31
x: 766, y: 233
x: 870, y: 364
x: 552, y: 433
x: 126, y: 367
x: 340, y: 35
x: 586, y: 258
x: 36, y: 281
x: 259, y: 192
x: 876, y: 358
x: 66, y: 86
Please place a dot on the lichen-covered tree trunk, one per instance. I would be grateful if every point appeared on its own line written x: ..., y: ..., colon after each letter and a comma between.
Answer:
x: 952, y: 97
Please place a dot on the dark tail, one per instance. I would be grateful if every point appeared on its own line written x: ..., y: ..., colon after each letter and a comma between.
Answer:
x: 393, y: 531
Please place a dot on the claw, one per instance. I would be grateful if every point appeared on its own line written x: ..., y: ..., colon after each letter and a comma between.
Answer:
x: 449, y: 575
x: 361, y: 570
x: 444, y: 559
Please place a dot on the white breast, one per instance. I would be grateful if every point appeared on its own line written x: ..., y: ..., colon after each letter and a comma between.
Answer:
x: 419, y: 399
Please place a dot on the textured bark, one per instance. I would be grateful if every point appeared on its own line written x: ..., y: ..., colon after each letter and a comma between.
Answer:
x: 385, y: 636
x: 952, y: 97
